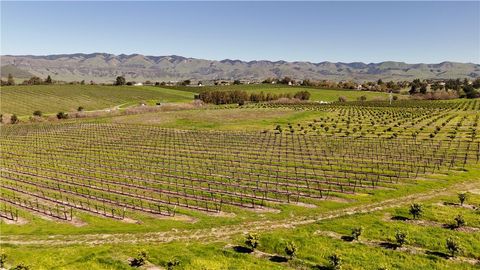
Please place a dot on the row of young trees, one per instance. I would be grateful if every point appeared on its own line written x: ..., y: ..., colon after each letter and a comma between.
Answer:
x: 240, y: 97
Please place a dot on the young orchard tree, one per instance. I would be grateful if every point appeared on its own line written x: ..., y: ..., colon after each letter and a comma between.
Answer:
x: 416, y: 210
x: 401, y: 238
x: 291, y: 250
x: 252, y: 241
x: 462, y: 197
x: 173, y: 263
x: 139, y: 260
x: 3, y: 260
x: 80, y: 109
x: 335, y: 261
x: 459, y: 221
x: 356, y: 232
x: 453, y: 247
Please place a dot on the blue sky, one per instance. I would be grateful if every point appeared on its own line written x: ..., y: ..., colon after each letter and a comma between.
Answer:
x: 412, y: 32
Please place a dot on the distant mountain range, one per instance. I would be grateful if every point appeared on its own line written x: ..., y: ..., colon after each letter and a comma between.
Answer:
x: 103, y: 67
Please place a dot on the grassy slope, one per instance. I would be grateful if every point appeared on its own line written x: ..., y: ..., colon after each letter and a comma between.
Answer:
x: 23, y: 100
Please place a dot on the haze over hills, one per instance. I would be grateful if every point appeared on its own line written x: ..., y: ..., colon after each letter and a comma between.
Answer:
x: 103, y: 67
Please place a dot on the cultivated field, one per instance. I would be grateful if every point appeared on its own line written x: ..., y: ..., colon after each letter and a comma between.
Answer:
x: 24, y: 100
x: 187, y: 185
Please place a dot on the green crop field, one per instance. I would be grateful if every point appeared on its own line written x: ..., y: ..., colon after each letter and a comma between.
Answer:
x: 185, y: 186
x: 24, y: 100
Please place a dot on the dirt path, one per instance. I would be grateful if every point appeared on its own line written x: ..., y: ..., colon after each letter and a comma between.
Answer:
x: 225, y: 232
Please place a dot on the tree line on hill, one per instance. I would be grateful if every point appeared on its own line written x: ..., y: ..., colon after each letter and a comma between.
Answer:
x: 240, y: 97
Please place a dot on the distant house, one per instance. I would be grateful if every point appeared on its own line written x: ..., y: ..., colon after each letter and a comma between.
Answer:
x: 138, y: 84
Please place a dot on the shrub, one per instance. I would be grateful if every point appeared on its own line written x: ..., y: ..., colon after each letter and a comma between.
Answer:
x: 401, y: 238
x: 416, y: 210
x: 291, y: 250
x: 139, y: 260
x: 356, y: 232
x: 80, y: 109
x: 62, y: 115
x: 335, y: 261
x: 37, y: 113
x: 453, y: 247
x: 462, y: 197
x: 14, y: 119
x: 342, y: 99
x: 251, y: 241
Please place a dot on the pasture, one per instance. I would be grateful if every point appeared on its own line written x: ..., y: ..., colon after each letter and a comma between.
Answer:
x: 187, y: 185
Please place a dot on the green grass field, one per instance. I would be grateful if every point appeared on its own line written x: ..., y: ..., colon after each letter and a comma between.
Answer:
x: 23, y: 100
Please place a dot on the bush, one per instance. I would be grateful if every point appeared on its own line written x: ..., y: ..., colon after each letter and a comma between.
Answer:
x: 342, y: 99
x: 416, y: 210
x: 291, y: 250
x: 62, y: 115
x: 80, y: 109
x: 401, y: 238
x: 251, y: 241
x: 37, y: 113
x: 139, y: 260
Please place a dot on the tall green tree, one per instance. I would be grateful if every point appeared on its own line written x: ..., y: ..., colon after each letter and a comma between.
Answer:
x: 120, y: 80
x: 10, y: 80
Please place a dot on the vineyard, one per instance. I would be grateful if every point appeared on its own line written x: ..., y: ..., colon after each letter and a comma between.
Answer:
x: 106, y: 169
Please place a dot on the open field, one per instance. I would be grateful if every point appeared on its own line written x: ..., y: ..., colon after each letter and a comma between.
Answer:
x: 189, y: 184
x: 23, y: 100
